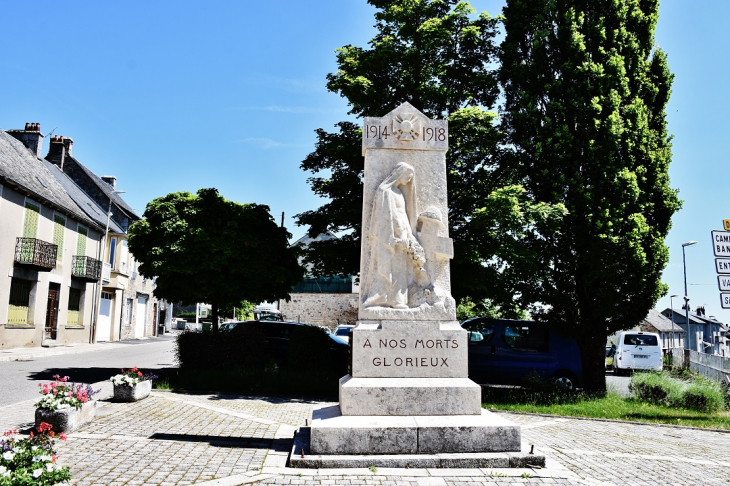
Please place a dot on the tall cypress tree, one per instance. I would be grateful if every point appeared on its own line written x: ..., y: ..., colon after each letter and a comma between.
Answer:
x: 584, y: 116
x: 439, y: 56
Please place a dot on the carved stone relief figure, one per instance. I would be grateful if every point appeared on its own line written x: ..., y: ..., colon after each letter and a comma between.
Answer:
x: 398, y: 261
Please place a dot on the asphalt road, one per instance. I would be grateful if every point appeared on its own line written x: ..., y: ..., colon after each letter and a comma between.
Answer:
x: 619, y: 384
x: 19, y: 379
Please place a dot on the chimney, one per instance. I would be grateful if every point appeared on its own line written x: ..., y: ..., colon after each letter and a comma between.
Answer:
x: 31, y: 137
x: 111, y: 180
x: 68, y: 142
x: 57, y: 151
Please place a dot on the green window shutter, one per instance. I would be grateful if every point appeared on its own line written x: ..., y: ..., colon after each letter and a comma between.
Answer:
x: 81, y: 244
x: 58, y: 231
x: 30, y: 226
x: 74, y: 307
x: 19, y: 301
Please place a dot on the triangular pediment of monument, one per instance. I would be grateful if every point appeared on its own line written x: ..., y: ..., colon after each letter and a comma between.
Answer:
x: 408, y: 109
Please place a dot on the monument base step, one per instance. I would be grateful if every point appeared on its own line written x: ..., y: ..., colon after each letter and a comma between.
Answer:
x: 301, y: 457
x: 334, y: 433
x: 409, y: 396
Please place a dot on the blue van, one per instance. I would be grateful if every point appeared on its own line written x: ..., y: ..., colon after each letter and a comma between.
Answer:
x: 504, y: 352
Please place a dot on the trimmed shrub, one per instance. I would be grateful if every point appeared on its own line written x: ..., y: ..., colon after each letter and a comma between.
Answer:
x: 703, y: 397
x: 220, y: 349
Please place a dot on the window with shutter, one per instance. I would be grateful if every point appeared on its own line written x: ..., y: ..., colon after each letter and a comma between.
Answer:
x: 59, y: 227
x: 30, y: 226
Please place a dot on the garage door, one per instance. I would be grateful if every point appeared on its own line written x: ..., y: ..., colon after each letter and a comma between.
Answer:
x: 104, y: 324
x: 141, y: 317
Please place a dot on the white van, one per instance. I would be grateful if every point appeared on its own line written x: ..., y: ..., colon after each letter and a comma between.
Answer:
x: 637, y: 351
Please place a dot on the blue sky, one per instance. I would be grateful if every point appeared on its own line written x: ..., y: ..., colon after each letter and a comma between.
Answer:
x: 175, y: 96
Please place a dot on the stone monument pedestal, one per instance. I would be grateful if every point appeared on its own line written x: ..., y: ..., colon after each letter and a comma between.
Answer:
x: 408, y: 400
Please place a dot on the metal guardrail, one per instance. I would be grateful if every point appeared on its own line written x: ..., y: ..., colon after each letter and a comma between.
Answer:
x: 36, y: 253
x: 86, y: 268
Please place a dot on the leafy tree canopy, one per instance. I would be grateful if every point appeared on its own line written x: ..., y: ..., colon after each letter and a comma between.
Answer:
x: 204, y: 248
x: 438, y: 55
x: 584, y: 119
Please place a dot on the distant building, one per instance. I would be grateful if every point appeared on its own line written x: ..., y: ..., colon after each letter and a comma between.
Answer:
x: 712, y: 336
x: 322, y: 300
x: 672, y: 335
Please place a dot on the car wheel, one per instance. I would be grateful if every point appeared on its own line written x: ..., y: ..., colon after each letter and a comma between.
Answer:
x: 564, y: 380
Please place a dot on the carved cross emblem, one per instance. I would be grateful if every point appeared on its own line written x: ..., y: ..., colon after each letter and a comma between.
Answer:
x: 406, y: 127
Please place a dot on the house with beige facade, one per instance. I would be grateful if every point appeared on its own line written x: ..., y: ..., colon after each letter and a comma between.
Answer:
x: 49, y: 251
x: 66, y: 275
x: 128, y: 308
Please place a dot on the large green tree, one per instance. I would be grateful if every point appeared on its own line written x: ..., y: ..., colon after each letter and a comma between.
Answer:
x: 204, y: 248
x: 438, y: 55
x: 584, y: 117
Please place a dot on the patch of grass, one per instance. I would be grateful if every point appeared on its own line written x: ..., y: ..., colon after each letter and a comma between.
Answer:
x: 610, y: 406
x: 162, y: 384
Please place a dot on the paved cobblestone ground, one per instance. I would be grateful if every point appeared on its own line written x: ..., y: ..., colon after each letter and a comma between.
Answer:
x: 225, y: 440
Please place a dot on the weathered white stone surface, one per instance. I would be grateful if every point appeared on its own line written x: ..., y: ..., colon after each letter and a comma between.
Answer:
x: 333, y: 433
x: 409, y: 396
x: 409, y: 392
x: 66, y: 419
x: 406, y: 247
x: 133, y: 393
x: 400, y: 349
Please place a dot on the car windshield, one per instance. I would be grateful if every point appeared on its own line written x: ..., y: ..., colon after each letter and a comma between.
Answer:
x: 342, y: 331
x: 640, y: 340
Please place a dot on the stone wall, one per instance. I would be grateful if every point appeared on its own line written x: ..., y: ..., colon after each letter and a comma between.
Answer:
x: 321, y: 309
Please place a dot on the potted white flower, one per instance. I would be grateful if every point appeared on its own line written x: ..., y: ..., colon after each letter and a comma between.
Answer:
x: 132, y: 385
x: 65, y: 406
x: 31, y: 460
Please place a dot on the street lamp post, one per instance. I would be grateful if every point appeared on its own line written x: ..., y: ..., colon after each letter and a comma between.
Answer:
x: 103, y: 250
x: 686, y: 296
x: 671, y: 306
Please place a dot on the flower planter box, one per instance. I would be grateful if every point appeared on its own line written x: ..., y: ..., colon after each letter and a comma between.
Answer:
x: 134, y: 393
x: 67, y: 418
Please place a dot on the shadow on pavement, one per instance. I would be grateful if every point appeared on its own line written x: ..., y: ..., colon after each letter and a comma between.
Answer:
x: 91, y: 375
x: 282, y: 445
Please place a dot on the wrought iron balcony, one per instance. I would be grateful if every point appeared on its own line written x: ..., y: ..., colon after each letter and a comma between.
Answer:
x: 86, y: 268
x: 37, y: 254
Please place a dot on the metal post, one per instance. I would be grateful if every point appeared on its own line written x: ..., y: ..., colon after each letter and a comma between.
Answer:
x: 686, y: 297
x: 671, y: 305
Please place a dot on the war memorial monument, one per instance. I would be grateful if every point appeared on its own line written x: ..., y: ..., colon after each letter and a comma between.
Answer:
x: 408, y: 400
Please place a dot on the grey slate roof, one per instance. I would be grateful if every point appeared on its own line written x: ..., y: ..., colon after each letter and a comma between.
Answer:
x: 20, y: 167
x: 82, y: 200
x: 661, y: 323
x: 107, y: 189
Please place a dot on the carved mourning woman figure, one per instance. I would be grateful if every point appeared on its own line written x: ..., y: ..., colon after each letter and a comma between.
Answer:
x: 397, y: 259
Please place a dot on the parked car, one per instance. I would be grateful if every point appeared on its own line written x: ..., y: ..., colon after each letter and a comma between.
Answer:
x: 610, y: 353
x: 228, y: 326
x: 277, y: 336
x: 343, y: 331
x: 637, y: 351
x: 505, y: 352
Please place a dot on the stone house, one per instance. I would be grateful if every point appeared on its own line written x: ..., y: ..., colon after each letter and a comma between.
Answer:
x: 672, y: 335
x: 324, y: 301
x: 127, y: 306
x: 49, y: 251
x: 711, y: 335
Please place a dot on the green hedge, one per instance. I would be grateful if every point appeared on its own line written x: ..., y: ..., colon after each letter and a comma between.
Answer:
x: 202, y: 350
x: 242, y: 360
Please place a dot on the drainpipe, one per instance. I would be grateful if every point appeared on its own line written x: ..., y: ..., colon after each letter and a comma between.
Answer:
x: 95, y: 307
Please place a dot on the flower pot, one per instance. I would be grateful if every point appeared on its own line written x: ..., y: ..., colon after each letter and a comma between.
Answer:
x: 136, y: 392
x: 66, y: 418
